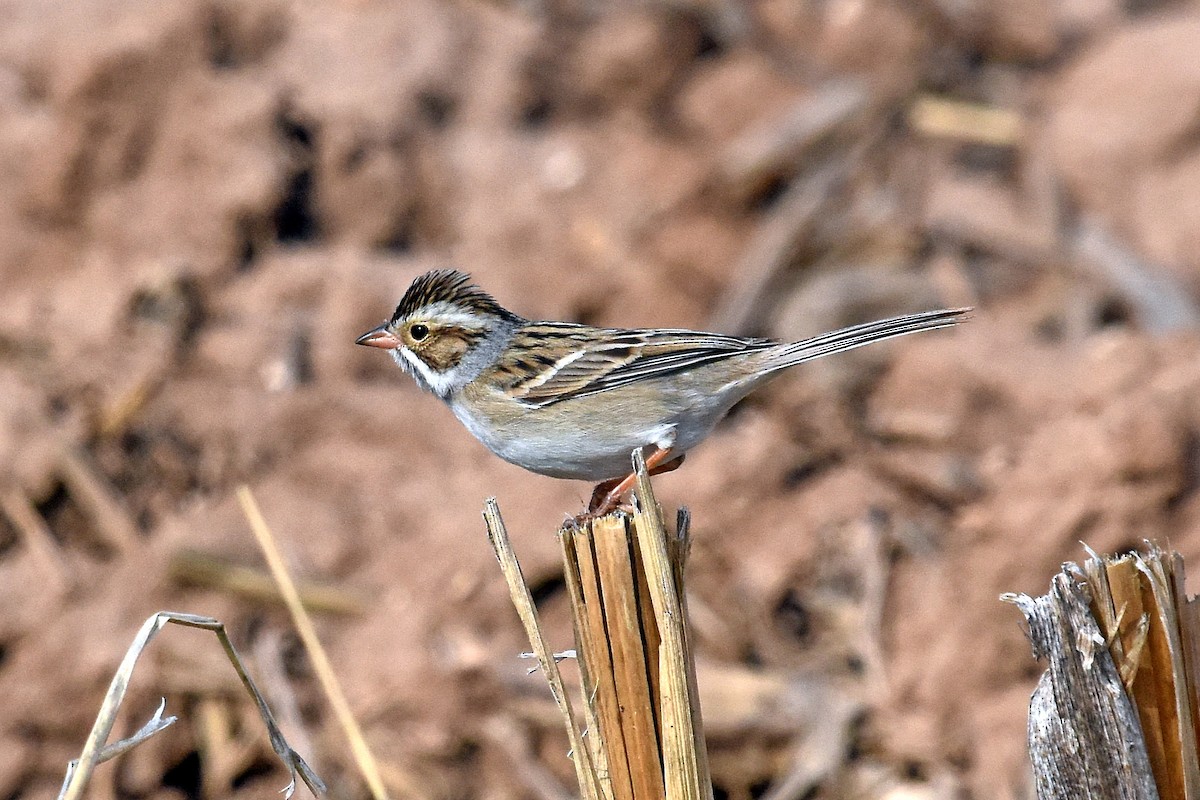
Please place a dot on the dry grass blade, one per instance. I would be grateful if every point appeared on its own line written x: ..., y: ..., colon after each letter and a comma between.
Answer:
x: 198, y: 569
x: 1159, y: 301
x: 97, y: 499
x: 367, y: 765
x: 776, y: 148
x: 955, y: 119
x: 95, y: 751
x: 777, y: 241
x: 16, y: 506
x: 585, y: 772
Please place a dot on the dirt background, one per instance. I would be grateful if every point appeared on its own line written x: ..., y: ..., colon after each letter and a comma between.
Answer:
x: 202, y: 203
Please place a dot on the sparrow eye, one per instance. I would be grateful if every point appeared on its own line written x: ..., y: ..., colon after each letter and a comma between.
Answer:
x: 418, y: 332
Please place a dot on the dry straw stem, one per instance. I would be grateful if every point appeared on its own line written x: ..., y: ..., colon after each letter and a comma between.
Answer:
x: 97, y: 499
x: 685, y: 761
x: 308, y: 635
x: 189, y: 568
x: 96, y: 752
x: 35, y: 534
x: 624, y: 579
x: 1142, y: 611
x: 600, y: 707
x: 585, y: 772
x: 1115, y: 715
x: 634, y: 655
x: 955, y: 119
x: 765, y: 152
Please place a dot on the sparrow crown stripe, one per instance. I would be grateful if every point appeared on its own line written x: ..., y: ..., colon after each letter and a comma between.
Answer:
x: 452, y: 287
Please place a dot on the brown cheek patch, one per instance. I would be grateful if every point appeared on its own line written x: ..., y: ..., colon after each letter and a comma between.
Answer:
x: 445, y: 349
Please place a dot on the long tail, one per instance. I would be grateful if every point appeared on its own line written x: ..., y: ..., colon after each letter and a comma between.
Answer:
x: 789, y: 355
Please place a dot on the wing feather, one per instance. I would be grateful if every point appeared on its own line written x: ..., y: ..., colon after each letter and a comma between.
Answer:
x: 593, y: 360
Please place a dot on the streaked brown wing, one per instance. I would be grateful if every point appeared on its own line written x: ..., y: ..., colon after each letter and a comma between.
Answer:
x: 591, y: 360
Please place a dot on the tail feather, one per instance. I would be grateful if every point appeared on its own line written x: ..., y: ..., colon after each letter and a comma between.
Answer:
x: 789, y: 355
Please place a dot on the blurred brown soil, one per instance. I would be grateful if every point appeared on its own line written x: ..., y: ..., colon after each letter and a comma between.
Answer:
x: 204, y: 202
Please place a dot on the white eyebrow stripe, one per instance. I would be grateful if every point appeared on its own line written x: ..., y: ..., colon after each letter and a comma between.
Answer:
x: 444, y: 313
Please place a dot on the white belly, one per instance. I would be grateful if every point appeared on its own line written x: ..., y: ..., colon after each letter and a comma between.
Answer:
x: 594, y: 457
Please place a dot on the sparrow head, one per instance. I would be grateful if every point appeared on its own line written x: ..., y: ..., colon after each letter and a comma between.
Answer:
x: 444, y: 331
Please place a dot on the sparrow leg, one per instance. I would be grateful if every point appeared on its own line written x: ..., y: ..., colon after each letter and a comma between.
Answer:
x: 608, y: 487
x: 607, y: 495
x: 600, y: 492
x: 670, y: 466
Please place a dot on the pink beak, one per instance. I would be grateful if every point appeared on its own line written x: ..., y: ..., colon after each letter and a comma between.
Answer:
x: 379, y: 337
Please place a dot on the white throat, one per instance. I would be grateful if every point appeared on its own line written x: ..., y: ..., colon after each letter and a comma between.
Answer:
x: 440, y: 383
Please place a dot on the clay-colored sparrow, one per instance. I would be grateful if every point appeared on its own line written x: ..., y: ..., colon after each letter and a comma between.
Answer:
x: 573, y: 401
